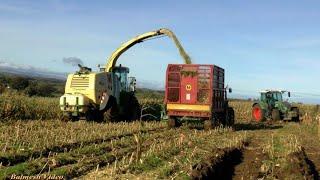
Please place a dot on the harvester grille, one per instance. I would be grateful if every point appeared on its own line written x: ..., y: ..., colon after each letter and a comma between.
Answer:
x: 80, y: 82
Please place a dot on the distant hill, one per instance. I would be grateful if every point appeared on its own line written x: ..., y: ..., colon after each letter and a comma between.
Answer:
x: 29, y: 71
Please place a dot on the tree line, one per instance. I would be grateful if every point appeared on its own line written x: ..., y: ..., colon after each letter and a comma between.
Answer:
x: 30, y: 86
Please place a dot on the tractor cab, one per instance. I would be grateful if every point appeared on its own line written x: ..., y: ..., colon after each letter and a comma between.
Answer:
x: 273, y: 95
x: 273, y: 106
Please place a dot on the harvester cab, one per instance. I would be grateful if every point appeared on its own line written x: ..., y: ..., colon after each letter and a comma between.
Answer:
x: 272, y: 106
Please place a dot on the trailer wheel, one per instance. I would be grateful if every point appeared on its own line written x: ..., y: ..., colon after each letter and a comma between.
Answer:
x: 208, y: 124
x: 230, y: 117
x: 172, y: 122
x: 275, y: 115
x: 258, y: 113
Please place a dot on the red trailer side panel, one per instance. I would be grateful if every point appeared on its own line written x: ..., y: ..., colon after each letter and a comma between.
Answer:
x: 194, y: 90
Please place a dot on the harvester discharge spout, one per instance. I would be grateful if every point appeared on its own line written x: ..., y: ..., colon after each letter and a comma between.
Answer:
x: 143, y: 37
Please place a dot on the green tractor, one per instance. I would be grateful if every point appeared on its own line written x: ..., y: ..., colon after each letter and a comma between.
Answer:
x: 271, y: 106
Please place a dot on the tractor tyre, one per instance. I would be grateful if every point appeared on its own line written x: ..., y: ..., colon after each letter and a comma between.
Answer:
x: 172, y: 122
x: 112, y: 113
x: 208, y: 124
x: 258, y: 114
x: 230, y: 117
x: 296, y: 119
x: 275, y: 114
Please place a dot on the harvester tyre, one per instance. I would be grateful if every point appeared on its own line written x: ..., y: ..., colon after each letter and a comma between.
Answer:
x: 130, y: 107
x: 112, y: 113
x: 258, y: 114
x: 275, y: 114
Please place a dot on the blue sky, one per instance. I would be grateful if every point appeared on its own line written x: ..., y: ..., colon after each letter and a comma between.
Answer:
x: 261, y: 44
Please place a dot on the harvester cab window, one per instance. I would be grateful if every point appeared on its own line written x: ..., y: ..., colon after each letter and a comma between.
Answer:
x: 122, y: 74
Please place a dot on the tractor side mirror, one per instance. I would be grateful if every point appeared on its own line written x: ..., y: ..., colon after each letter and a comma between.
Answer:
x: 289, y: 94
x: 230, y: 90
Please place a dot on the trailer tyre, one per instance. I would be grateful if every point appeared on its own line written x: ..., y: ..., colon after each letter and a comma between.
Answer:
x: 230, y: 117
x: 172, y: 122
x: 275, y: 115
x: 208, y: 124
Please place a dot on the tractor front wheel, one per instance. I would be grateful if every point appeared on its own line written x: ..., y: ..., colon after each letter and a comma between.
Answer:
x: 257, y: 113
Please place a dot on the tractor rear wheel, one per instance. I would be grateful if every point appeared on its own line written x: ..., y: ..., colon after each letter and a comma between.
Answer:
x: 275, y: 115
x: 296, y: 119
x: 258, y: 113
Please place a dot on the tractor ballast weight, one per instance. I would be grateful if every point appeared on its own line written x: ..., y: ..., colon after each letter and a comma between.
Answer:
x: 271, y: 106
x: 197, y: 91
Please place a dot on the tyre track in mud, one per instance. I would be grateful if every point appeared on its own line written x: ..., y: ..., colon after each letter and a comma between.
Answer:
x: 237, y: 163
x: 19, y: 158
x: 251, y: 161
x: 312, y: 157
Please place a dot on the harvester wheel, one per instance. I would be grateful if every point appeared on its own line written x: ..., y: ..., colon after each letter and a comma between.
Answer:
x: 208, y: 124
x: 111, y: 114
x: 130, y: 107
x: 258, y: 113
x: 134, y: 108
x: 172, y: 122
x: 275, y: 115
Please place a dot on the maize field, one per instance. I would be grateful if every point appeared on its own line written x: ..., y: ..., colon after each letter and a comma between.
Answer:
x: 35, y: 143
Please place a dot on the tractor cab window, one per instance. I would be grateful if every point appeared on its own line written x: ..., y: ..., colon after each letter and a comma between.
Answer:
x: 263, y: 96
x: 277, y: 96
x: 122, y: 74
